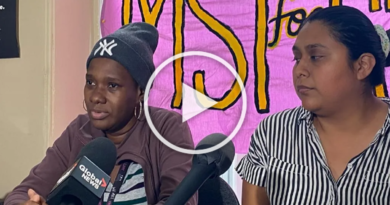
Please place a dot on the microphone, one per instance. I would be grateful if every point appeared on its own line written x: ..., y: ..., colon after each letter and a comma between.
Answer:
x: 86, y: 180
x: 204, y: 167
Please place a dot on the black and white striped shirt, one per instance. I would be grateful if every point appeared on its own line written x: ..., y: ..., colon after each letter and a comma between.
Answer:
x: 286, y: 157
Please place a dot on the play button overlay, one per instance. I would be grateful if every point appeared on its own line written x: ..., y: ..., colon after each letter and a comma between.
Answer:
x: 194, y: 103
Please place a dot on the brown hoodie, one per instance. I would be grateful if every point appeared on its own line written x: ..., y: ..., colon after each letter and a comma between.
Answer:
x: 163, y: 167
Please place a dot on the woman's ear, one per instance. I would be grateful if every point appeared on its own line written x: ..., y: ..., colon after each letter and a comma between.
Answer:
x: 364, y: 65
x: 140, y: 95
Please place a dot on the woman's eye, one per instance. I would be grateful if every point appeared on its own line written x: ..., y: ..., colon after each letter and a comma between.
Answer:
x: 315, y: 57
x: 113, y: 85
x: 296, y: 60
x: 88, y: 82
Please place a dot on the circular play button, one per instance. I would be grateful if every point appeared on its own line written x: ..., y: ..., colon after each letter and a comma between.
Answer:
x: 194, y: 102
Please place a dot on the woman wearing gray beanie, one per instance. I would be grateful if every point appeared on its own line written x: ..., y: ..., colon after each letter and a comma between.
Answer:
x: 118, y: 70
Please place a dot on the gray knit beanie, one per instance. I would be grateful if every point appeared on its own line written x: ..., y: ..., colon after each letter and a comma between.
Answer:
x: 133, y: 47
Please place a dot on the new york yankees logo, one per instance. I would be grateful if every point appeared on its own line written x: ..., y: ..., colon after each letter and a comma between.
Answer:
x: 106, y: 47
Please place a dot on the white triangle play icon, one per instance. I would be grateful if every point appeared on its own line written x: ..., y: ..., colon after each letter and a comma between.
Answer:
x: 194, y: 102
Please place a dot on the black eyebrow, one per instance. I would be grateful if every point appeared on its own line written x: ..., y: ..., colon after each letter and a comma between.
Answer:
x: 107, y: 78
x: 316, y: 45
x: 310, y: 46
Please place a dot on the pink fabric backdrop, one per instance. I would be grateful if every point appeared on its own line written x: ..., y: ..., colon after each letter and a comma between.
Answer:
x: 240, y: 17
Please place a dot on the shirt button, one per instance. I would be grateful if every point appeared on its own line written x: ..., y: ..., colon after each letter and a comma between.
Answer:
x: 330, y: 201
x: 349, y: 167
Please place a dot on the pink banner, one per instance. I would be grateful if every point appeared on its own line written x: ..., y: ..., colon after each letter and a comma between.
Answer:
x: 255, y: 37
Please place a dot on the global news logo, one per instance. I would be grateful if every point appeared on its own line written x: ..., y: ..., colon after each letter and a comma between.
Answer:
x: 91, y: 178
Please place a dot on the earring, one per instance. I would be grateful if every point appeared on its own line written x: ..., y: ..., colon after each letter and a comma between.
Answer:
x: 135, y: 112
x: 140, y: 111
x: 84, y: 106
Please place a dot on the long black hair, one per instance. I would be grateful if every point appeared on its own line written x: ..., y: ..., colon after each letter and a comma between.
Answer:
x: 355, y: 30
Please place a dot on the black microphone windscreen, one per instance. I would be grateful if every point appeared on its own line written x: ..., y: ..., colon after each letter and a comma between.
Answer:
x: 223, y: 157
x: 204, y: 166
x: 102, y: 152
x: 86, y: 180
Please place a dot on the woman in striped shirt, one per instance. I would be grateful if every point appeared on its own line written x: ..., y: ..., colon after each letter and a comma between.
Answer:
x: 335, y: 148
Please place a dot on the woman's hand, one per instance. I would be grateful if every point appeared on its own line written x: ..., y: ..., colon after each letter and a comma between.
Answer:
x: 35, y: 199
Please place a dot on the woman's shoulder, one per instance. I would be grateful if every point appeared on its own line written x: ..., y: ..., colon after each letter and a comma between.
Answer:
x: 80, y: 119
x: 283, y: 126
x: 290, y: 117
x: 82, y: 128
x: 161, y: 114
x: 168, y: 122
x: 79, y: 122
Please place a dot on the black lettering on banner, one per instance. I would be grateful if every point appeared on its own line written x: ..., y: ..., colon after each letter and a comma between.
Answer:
x: 127, y: 13
x: 335, y: 2
x: 374, y: 5
x: 226, y: 34
x: 261, y: 68
x: 223, y: 32
x: 387, y: 6
x: 381, y: 90
x: 151, y: 14
x: 178, y: 47
x: 296, y: 16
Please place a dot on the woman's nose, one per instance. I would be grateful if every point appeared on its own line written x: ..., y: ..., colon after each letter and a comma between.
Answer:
x: 301, y: 70
x: 98, y: 96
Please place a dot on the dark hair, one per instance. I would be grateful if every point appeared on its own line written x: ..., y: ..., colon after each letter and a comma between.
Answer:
x: 388, y: 57
x: 355, y: 30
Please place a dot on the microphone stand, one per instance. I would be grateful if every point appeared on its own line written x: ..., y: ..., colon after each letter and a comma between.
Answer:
x: 190, y: 185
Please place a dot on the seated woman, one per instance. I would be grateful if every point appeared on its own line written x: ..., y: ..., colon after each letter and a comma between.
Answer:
x: 118, y: 70
x: 335, y: 148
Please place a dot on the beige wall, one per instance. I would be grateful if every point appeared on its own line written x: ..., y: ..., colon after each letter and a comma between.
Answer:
x: 75, y: 35
x: 41, y: 92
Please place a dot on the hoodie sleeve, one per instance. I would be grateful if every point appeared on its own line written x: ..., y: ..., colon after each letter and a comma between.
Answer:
x: 174, y: 166
x: 44, y: 176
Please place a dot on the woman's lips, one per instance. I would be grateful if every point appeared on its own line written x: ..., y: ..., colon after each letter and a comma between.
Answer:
x: 303, y: 89
x: 97, y: 115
